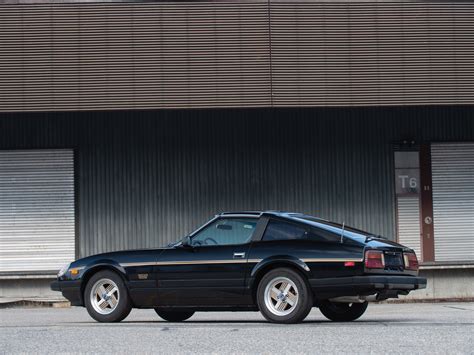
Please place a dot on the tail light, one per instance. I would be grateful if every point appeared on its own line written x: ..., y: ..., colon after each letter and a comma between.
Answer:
x: 374, y: 259
x: 411, y: 262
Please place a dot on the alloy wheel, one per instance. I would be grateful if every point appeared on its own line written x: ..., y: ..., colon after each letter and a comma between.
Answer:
x: 281, y: 296
x: 104, y: 296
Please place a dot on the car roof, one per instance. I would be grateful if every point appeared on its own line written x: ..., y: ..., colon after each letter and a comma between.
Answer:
x: 258, y: 213
x: 303, y: 219
x: 284, y: 214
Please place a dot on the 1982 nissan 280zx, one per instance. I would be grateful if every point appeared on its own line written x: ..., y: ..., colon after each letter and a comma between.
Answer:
x: 279, y: 263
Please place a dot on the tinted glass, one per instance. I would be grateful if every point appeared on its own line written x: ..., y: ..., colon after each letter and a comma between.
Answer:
x: 226, y: 231
x: 335, y: 228
x: 322, y: 235
x: 277, y: 230
x: 321, y: 222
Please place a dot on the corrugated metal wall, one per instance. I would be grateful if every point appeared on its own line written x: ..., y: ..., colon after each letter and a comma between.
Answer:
x: 254, y: 53
x: 155, y: 55
x: 348, y: 53
x: 148, y: 177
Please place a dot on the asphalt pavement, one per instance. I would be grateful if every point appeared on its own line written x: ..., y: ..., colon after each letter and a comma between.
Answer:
x: 417, y: 328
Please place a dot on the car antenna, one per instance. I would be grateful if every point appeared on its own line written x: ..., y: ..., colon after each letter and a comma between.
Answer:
x: 342, y: 233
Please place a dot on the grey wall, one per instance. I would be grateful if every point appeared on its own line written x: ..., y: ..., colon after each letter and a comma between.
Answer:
x: 148, y: 177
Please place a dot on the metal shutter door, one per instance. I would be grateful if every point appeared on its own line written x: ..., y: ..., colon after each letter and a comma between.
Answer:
x: 408, y: 210
x: 453, y: 201
x: 36, y: 210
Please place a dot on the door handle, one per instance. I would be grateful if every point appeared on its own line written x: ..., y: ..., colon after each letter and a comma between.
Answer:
x: 239, y: 255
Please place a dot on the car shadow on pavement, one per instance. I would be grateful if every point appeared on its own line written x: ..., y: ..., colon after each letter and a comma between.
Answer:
x: 263, y: 322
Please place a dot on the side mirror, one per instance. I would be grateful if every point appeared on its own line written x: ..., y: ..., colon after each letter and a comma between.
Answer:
x: 186, y: 242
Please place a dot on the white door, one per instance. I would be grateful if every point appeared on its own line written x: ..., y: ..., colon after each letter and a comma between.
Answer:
x: 36, y: 210
x: 453, y: 201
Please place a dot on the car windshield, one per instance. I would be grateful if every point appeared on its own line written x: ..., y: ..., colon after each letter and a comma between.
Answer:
x: 175, y: 243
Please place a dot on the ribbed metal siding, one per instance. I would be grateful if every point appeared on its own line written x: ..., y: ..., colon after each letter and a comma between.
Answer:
x: 146, y: 178
x: 453, y: 201
x: 408, y: 213
x: 61, y: 57
x: 36, y: 210
x: 347, y: 53
x: 87, y: 56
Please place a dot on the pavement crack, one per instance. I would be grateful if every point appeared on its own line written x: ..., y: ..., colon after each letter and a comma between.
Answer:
x: 459, y: 308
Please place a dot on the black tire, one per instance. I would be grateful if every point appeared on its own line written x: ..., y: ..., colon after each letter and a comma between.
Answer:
x: 123, y: 306
x: 342, y: 312
x: 302, y: 306
x: 174, y: 316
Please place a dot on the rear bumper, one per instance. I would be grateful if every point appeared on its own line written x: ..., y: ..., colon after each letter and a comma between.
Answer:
x: 71, y: 290
x: 370, y: 284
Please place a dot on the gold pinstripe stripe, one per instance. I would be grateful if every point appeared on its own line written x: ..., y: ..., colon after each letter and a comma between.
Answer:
x: 321, y: 260
x: 138, y: 264
x: 190, y: 262
x: 237, y: 261
x: 200, y: 262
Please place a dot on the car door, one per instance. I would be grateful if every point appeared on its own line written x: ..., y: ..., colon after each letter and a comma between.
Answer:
x: 211, y: 270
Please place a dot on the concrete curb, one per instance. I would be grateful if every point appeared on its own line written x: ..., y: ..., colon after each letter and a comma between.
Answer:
x: 28, y: 303
x: 429, y: 300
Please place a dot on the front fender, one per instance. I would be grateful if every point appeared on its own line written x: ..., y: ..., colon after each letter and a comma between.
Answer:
x: 73, y: 285
x: 110, y: 264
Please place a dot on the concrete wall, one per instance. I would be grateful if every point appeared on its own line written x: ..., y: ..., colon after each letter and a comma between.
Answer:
x: 28, y: 288
x: 442, y: 284
x: 446, y: 284
x: 146, y: 178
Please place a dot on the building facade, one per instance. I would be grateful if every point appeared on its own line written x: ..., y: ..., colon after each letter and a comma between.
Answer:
x: 128, y: 124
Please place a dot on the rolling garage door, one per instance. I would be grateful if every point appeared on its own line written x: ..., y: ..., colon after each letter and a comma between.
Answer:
x: 36, y: 210
x: 408, y: 211
x: 453, y: 201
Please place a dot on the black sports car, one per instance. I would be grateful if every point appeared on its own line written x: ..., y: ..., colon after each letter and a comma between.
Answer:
x: 281, y: 264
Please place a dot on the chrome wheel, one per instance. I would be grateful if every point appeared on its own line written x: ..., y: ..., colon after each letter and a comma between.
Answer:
x: 104, y: 296
x: 281, y: 296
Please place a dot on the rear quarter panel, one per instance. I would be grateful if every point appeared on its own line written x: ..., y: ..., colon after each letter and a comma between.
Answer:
x: 323, y: 259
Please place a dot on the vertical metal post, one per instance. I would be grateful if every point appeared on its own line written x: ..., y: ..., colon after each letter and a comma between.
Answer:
x: 427, y: 222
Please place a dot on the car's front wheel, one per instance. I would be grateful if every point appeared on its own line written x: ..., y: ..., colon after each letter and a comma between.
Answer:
x: 106, y: 297
x: 174, y: 316
x: 283, y: 296
x: 342, y: 312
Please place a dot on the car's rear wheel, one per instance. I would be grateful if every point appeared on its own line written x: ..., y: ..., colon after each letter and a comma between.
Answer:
x: 342, y: 312
x: 283, y: 296
x: 174, y: 316
x: 106, y: 297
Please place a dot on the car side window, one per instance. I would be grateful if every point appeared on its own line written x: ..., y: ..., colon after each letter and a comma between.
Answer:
x: 226, y: 231
x: 279, y: 230
x: 324, y: 236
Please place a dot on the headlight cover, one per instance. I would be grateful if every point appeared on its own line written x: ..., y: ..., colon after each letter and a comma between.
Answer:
x: 63, y: 270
